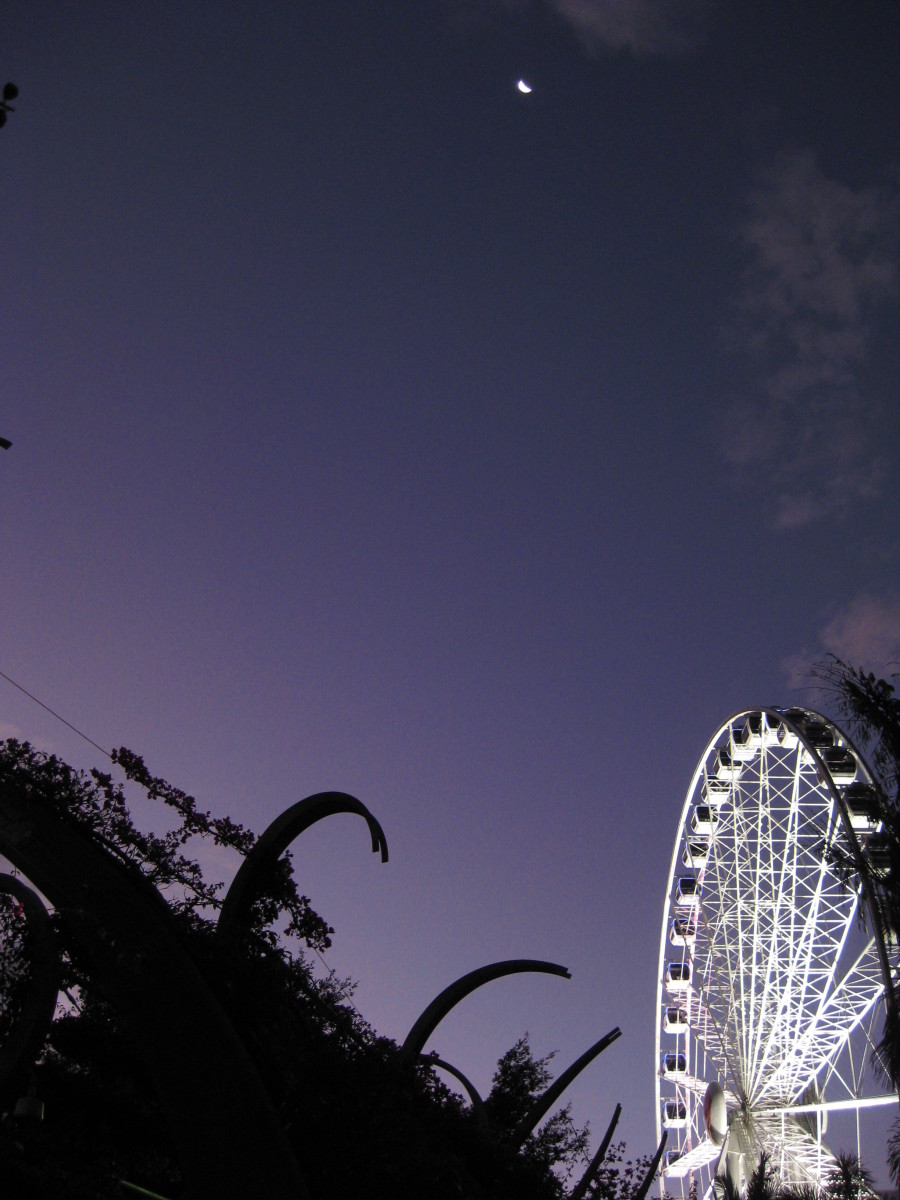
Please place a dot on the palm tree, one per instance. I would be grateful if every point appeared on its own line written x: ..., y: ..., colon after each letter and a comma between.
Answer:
x: 763, y: 1183
x: 848, y: 1179
x: 871, y: 709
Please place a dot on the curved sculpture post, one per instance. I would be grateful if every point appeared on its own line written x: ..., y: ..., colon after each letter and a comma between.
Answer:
x: 22, y: 1045
x: 644, y: 1187
x: 596, y: 1162
x: 544, y: 1102
x: 234, y: 916
x: 207, y: 1083
x: 478, y: 1109
x: 451, y: 996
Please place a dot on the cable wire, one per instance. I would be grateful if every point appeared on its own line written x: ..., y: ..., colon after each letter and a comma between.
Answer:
x: 48, y: 709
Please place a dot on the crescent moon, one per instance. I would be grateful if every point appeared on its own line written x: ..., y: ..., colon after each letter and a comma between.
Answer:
x: 523, y: 87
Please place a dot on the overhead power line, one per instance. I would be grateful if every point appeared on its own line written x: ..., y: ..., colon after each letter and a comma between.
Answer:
x: 53, y: 713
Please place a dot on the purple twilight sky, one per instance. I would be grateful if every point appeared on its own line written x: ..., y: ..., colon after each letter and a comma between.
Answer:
x: 378, y: 427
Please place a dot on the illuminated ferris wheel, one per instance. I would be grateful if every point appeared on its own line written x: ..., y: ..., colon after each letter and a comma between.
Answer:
x: 770, y: 989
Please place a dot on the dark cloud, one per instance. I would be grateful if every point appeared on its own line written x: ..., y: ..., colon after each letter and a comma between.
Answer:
x: 643, y: 26
x: 822, y: 263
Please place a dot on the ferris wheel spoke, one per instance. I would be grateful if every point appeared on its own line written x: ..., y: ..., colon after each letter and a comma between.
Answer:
x: 810, y: 947
x: 775, y: 900
x: 854, y: 1105
x: 799, y: 1155
x: 845, y: 1009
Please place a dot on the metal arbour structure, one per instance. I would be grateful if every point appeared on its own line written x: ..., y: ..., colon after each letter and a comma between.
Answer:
x: 771, y: 989
x: 205, y: 1076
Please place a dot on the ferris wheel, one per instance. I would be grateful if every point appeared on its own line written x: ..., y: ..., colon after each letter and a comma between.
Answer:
x: 770, y: 988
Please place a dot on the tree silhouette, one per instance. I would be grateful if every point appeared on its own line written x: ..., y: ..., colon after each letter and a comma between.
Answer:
x: 848, y: 1179
x: 519, y: 1080
x: 10, y: 92
x: 870, y: 708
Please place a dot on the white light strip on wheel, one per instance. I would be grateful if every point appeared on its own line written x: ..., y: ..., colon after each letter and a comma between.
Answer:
x: 836, y: 1105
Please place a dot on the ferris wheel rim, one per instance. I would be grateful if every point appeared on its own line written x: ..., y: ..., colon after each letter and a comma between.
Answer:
x: 796, y: 722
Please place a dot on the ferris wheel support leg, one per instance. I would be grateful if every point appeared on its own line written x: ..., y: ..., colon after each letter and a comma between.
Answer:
x: 729, y: 1170
x: 734, y: 1171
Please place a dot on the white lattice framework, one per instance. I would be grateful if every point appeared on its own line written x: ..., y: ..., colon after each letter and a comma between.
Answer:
x: 784, y: 999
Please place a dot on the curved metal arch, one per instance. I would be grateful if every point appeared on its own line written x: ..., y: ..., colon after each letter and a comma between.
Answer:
x: 188, y: 1043
x: 451, y: 996
x: 545, y: 1101
x: 234, y: 915
x: 18, y: 1052
x: 596, y: 1162
x: 478, y: 1110
x: 644, y: 1188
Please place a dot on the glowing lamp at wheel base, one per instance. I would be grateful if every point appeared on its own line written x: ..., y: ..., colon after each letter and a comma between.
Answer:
x: 715, y: 1113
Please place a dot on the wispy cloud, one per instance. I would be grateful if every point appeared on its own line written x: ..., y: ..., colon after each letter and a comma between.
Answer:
x: 644, y: 27
x: 864, y: 633
x: 821, y: 265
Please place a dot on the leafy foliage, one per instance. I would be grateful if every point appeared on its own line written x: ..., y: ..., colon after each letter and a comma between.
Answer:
x: 763, y: 1181
x: 848, y: 1179
x: 281, y: 896
x: 519, y: 1080
x: 15, y: 963
x: 870, y: 708
x: 619, y: 1177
